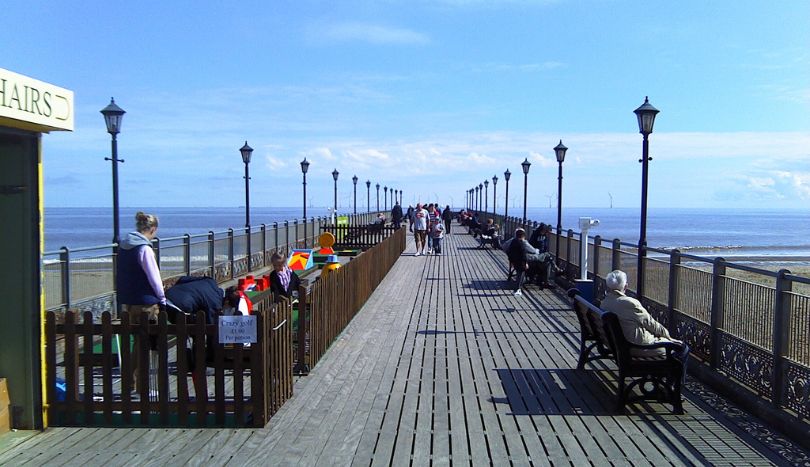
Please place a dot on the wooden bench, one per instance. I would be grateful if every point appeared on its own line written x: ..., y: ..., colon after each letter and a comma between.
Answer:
x: 492, y: 240
x: 658, y: 378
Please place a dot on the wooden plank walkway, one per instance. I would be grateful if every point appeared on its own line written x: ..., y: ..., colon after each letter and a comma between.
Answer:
x: 444, y: 366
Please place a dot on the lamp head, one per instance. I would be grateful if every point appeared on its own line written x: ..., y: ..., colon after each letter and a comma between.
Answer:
x: 646, y: 117
x: 304, y: 165
x: 246, y: 152
x: 113, y: 115
x: 559, y: 151
x: 507, y: 174
x: 526, y: 164
x: 335, y: 174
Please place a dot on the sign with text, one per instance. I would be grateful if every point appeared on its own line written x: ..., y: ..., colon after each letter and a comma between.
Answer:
x: 30, y: 104
x: 237, y: 330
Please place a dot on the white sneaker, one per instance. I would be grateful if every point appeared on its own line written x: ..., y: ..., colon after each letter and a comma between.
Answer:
x: 417, y: 254
x: 518, y: 293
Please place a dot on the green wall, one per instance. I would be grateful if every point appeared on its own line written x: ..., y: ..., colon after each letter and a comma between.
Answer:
x: 19, y: 275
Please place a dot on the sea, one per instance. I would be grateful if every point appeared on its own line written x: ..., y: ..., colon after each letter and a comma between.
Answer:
x: 746, y: 234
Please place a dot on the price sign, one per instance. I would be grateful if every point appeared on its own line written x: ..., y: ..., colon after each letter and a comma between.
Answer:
x: 237, y: 330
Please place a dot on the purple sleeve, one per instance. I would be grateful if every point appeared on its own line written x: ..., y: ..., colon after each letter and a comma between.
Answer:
x: 146, y: 258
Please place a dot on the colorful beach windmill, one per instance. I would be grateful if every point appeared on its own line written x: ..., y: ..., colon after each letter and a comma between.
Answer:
x: 301, y: 260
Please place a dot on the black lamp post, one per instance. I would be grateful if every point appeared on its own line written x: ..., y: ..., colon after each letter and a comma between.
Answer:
x: 113, y: 115
x: 368, y: 195
x: 378, y: 197
x: 354, y: 181
x: 335, y: 174
x: 646, y: 118
x: 559, y: 151
x: 494, y: 193
x: 486, y: 195
x: 506, y: 176
x: 385, y: 191
x: 477, y: 205
x: 526, y: 164
x: 304, y: 169
x: 246, y: 152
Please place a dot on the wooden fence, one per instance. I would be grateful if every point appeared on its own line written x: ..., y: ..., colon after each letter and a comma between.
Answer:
x: 333, y: 300
x: 248, y: 385
x: 360, y: 236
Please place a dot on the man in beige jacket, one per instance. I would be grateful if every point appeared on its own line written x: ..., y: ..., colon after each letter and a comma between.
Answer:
x: 638, y: 326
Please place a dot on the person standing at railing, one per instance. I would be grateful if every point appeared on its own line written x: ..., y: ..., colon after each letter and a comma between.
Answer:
x: 396, y: 215
x: 138, y: 281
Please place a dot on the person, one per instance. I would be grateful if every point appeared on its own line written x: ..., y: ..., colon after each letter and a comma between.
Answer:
x: 436, y: 235
x: 283, y: 280
x: 420, y: 226
x: 396, y: 215
x: 473, y: 225
x: 447, y: 216
x: 638, y: 326
x: 518, y: 254
x: 380, y: 219
x: 192, y: 294
x: 433, y: 218
x: 409, y: 215
x: 138, y: 281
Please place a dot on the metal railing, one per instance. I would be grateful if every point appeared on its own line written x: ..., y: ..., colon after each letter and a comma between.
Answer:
x: 748, y: 323
x: 83, y: 279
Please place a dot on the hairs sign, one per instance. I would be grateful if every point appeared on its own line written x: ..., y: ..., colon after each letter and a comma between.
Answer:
x: 30, y: 104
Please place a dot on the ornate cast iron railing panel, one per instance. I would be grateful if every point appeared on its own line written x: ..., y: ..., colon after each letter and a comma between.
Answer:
x: 797, y: 389
x: 656, y: 279
x: 750, y: 364
x: 799, y: 350
x: 695, y: 333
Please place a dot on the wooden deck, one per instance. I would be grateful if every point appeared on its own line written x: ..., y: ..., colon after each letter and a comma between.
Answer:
x: 445, y: 366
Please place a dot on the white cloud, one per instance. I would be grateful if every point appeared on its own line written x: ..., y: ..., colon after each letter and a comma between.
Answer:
x: 520, y: 67
x: 371, y: 33
x: 542, y: 160
x: 274, y: 163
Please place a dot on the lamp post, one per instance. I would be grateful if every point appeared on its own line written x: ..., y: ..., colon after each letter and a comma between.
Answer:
x: 559, y: 151
x: 378, y: 197
x: 335, y: 174
x: 646, y: 118
x: 506, y: 176
x: 304, y: 169
x: 385, y: 197
x: 494, y: 192
x: 526, y: 164
x: 354, y: 181
x: 368, y: 195
x: 477, y: 204
x: 486, y: 195
x: 113, y: 115
x: 246, y: 152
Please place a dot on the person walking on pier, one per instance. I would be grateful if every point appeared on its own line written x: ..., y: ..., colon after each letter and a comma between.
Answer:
x: 420, y: 227
x: 138, y: 282
x: 447, y: 216
x: 396, y: 215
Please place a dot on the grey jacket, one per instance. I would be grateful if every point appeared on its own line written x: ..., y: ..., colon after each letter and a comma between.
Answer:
x: 638, y: 326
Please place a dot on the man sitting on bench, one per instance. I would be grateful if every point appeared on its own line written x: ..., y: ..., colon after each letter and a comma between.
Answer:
x: 490, y: 235
x: 638, y: 326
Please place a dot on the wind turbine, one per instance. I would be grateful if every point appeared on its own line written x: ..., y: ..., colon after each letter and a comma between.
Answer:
x: 611, y: 200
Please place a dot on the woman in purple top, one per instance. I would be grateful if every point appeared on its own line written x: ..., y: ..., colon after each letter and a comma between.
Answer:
x: 283, y: 280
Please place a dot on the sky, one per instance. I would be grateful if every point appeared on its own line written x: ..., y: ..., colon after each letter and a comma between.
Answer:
x: 428, y: 97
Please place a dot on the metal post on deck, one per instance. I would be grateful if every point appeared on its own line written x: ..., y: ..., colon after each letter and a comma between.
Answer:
x: 674, y: 283
x: 156, y: 247
x: 570, y: 237
x: 597, y: 244
x: 211, y: 253
x: 781, y: 335
x: 187, y: 254
x: 275, y: 237
x: 295, y: 223
x: 264, y: 245
x: 716, y: 317
x: 287, y: 237
x: 64, y: 258
x: 230, y: 251
x: 616, y: 257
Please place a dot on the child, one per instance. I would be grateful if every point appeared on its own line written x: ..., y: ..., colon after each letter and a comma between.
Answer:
x: 436, y: 235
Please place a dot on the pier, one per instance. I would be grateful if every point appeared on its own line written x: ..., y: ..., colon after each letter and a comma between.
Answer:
x: 444, y: 366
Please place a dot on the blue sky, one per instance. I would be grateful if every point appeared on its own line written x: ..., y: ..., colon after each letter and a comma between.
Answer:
x: 431, y: 97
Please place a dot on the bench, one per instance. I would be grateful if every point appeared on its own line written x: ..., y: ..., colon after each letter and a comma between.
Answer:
x: 492, y: 240
x: 601, y: 337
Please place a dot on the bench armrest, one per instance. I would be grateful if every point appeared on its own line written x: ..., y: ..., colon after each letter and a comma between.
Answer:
x: 668, y: 346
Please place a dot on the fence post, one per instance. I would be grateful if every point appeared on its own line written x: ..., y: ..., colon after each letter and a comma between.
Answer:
x: 230, y: 251
x: 716, y: 317
x: 156, y: 248
x: 64, y: 258
x: 212, y: 263
x: 568, y: 248
x: 295, y: 240
x: 674, y: 285
x: 616, y: 257
x: 287, y: 237
x: 275, y: 235
x: 264, y: 245
x: 187, y: 254
x: 301, y: 367
x: 597, y: 243
x: 248, y: 249
x: 781, y: 334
